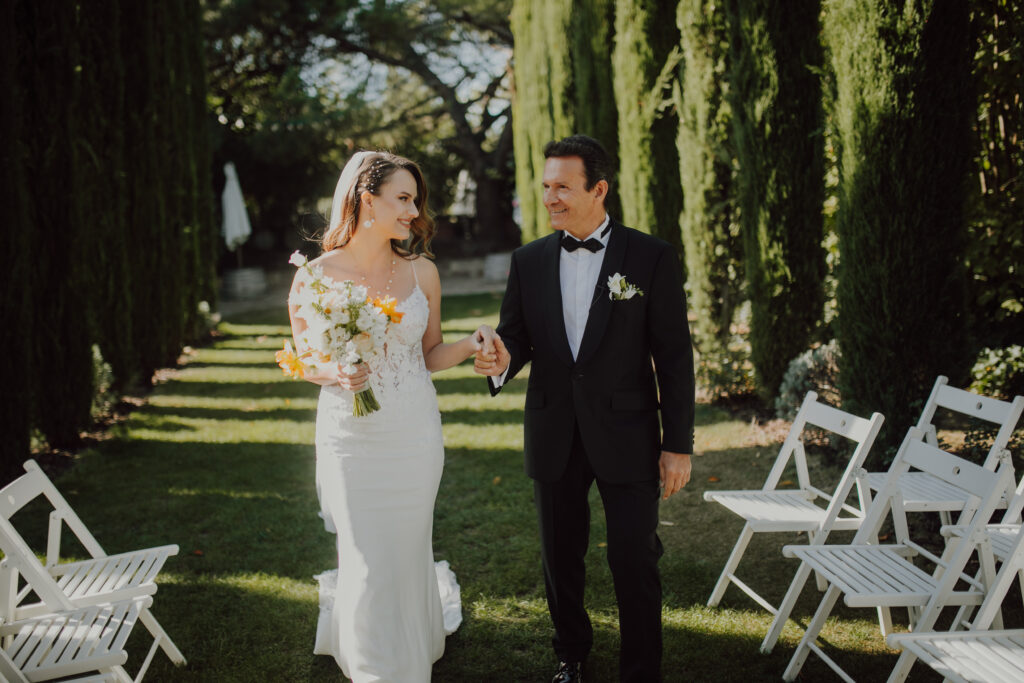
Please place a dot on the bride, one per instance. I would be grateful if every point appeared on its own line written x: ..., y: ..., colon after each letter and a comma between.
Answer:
x: 382, y: 616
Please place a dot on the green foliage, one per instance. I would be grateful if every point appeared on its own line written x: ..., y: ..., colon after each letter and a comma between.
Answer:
x: 725, y: 371
x: 17, y: 242
x: 709, y: 223
x: 103, y: 245
x: 297, y: 87
x: 59, y: 340
x: 814, y: 370
x: 999, y: 372
x: 643, y: 63
x: 562, y: 86
x: 902, y: 83
x: 777, y: 114
x: 995, y: 250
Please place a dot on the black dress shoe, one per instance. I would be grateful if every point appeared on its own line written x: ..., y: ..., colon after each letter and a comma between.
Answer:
x: 569, y: 672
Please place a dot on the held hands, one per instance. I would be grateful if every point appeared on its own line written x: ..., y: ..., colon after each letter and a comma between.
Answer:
x: 492, y: 358
x: 675, y: 472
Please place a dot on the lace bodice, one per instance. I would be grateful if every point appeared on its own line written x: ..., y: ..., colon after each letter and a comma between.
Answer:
x: 398, y: 373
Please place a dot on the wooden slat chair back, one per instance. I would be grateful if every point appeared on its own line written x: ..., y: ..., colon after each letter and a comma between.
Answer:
x: 977, y: 654
x: 88, y: 640
x: 63, y: 585
x: 868, y: 574
x: 922, y: 492
x: 807, y: 508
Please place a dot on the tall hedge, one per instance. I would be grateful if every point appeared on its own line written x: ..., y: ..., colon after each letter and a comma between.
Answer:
x: 109, y: 240
x: 59, y: 345
x: 776, y: 101
x: 562, y: 86
x: 101, y: 201
x: 645, y: 38
x: 996, y: 215
x: 709, y: 222
x: 16, y: 245
x: 903, y: 110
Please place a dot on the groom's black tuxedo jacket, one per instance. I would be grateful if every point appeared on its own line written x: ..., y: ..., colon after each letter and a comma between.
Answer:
x: 610, y: 389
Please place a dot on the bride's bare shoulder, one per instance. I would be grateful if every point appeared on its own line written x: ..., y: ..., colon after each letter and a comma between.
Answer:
x: 426, y: 270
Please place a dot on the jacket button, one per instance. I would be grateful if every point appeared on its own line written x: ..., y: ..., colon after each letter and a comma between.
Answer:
x: 578, y: 375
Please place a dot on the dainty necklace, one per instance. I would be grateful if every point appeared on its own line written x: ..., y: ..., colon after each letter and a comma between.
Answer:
x: 387, y: 288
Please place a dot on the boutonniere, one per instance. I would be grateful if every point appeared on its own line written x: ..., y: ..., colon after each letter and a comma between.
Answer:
x: 620, y: 290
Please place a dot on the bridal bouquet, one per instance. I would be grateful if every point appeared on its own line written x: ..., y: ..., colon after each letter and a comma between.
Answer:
x: 343, y: 326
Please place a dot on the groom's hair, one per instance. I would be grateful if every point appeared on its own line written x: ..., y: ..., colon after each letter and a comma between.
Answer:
x: 596, y: 163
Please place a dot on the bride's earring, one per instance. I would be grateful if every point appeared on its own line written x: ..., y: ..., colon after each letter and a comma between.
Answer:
x: 368, y: 223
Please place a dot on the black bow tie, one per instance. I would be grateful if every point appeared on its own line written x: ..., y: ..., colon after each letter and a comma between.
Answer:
x: 571, y: 244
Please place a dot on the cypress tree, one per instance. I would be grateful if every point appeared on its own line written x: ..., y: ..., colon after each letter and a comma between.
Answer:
x: 709, y: 224
x: 903, y: 110
x: 202, y: 237
x: 146, y: 219
x: 562, y: 56
x: 645, y: 36
x: 16, y: 246
x: 100, y: 145
x: 776, y: 103
x: 60, y: 353
x: 592, y: 33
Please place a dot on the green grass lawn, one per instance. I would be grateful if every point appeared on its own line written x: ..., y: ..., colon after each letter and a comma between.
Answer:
x: 219, y: 460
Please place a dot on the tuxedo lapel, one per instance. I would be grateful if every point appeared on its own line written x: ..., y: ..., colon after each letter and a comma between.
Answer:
x: 552, y: 293
x: 601, y: 305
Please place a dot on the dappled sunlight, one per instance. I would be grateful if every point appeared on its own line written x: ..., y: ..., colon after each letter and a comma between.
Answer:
x: 484, y: 436
x: 234, y: 330
x: 231, y: 374
x: 227, y: 493
x: 213, y: 430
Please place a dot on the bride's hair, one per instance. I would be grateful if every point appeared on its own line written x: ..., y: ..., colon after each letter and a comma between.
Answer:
x: 367, y: 172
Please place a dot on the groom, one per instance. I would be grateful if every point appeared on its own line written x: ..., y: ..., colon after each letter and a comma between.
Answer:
x: 609, y: 356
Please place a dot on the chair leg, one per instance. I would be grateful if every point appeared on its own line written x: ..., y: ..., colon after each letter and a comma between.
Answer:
x: 811, y: 634
x: 796, y: 586
x: 884, y: 621
x: 730, y: 565
x: 158, y: 632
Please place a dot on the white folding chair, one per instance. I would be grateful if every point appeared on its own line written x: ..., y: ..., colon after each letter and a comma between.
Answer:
x: 805, y: 509
x: 976, y: 655
x: 868, y: 574
x: 101, y: 579
x: 88, y: 640
x: 923, y: 492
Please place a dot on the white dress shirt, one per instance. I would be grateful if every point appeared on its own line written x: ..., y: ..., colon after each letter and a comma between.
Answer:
x: 577, y: 273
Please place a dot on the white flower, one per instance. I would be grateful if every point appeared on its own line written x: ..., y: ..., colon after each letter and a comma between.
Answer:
x: 619, y: 289
x: 364, y: 343
x: 297, y: 259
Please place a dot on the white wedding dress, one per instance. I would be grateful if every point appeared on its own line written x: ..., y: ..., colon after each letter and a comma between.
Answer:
x: 385, y: 612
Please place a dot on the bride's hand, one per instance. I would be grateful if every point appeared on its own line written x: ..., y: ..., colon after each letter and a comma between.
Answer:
x: 355, y: 382
x: 483, y: 342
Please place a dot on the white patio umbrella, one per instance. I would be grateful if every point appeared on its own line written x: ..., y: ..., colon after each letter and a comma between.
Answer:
x: 236, y: 228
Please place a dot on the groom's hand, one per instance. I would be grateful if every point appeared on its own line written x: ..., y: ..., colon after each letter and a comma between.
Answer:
x: 675, y: 471
x: 493, y: 364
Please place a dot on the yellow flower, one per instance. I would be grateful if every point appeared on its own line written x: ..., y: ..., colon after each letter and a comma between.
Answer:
x: 290, y: 363
x: 387, y: 307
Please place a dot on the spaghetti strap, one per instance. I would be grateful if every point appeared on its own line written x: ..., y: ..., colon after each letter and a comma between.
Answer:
x: 414, y: 275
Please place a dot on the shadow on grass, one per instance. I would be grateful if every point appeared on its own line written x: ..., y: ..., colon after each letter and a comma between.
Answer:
x: 476, y: 417
x: 280, y: 389
x: 294, y: 414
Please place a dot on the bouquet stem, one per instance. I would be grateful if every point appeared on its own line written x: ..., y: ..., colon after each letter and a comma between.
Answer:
x: 365, y: 403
